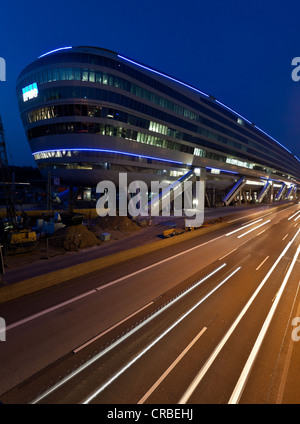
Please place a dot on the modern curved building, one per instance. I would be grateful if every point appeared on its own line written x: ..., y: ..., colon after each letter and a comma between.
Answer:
x: 90, y: 113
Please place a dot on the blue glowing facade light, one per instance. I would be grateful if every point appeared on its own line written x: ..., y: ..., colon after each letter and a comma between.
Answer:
x: 233, y: 111
x: 217, y: 140
x: 249, y: 122
x: 56, y: 50
x: 273, y: 139
x: 107, y: 151
x: 200, y: 92
x: 163, y: 75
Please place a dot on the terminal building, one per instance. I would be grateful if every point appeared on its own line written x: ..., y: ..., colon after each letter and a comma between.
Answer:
x: 91, y: 113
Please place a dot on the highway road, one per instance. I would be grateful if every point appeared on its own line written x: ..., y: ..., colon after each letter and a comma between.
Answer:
x: 208, y: 320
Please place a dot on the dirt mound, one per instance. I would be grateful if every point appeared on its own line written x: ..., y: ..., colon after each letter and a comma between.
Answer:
x: 119, y: 223
x: 75, y: 237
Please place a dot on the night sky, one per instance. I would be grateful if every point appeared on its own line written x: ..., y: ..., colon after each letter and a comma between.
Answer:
x: 238, y: 51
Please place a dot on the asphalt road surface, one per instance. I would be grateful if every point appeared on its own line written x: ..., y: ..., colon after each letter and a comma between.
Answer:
x: 210, y: 320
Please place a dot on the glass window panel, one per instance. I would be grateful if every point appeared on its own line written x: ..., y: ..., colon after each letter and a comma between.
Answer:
x: 55, y: 75
x: 84, y: 110
x: 70, y: 127
x: 102, y: 129
x: 70, y: 73
x: 97, y: 111
x: 91, y: 111
x: 77, y: 74
x: 49, y: 76
x: 71, y: 110
x: 77, y: 127
x: 77, y: 110
x: 51, y: 112
x: 45, y: 77
x: 85, y: 75
x: 62, y: 74
x: 92, y: 76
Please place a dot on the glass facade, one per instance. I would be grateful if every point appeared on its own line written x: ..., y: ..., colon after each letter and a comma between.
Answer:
x: 80, y: 90
x: 70, y: 74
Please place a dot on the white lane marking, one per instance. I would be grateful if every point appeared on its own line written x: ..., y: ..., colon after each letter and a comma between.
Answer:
x: 253, y: 214
x: 262, y: 263
x: 228, y: 254
x: 46, y: 311
x: 111, y: 328
x: 239, y: 388
x: 121, y: 339
x: 220, y: 346
x: 130, y: 363
x: 253, y: 229
x: 291, y: 217
x: 244, y: 226
x: 285, y: 236
x: 171, y: 367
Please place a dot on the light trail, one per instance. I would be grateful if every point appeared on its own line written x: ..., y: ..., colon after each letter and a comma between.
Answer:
x: 190, y: 390
x: 253, y: 229
x: 244, y: 226
x: 121, y: 339
x: 239, y: 388
x: 291, y: 217
x: 130, y: 363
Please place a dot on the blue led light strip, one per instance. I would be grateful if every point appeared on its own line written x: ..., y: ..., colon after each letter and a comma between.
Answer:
x: 163, y: 75
x: 222, y: 170
x: 233, y: 111
x: 107, y: 151
x: 56, y: 50
x: 204, y: 94
x: 241, y: 116
x: 273, y: 139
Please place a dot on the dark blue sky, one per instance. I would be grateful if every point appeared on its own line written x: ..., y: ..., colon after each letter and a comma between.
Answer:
x: 238, y: 51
